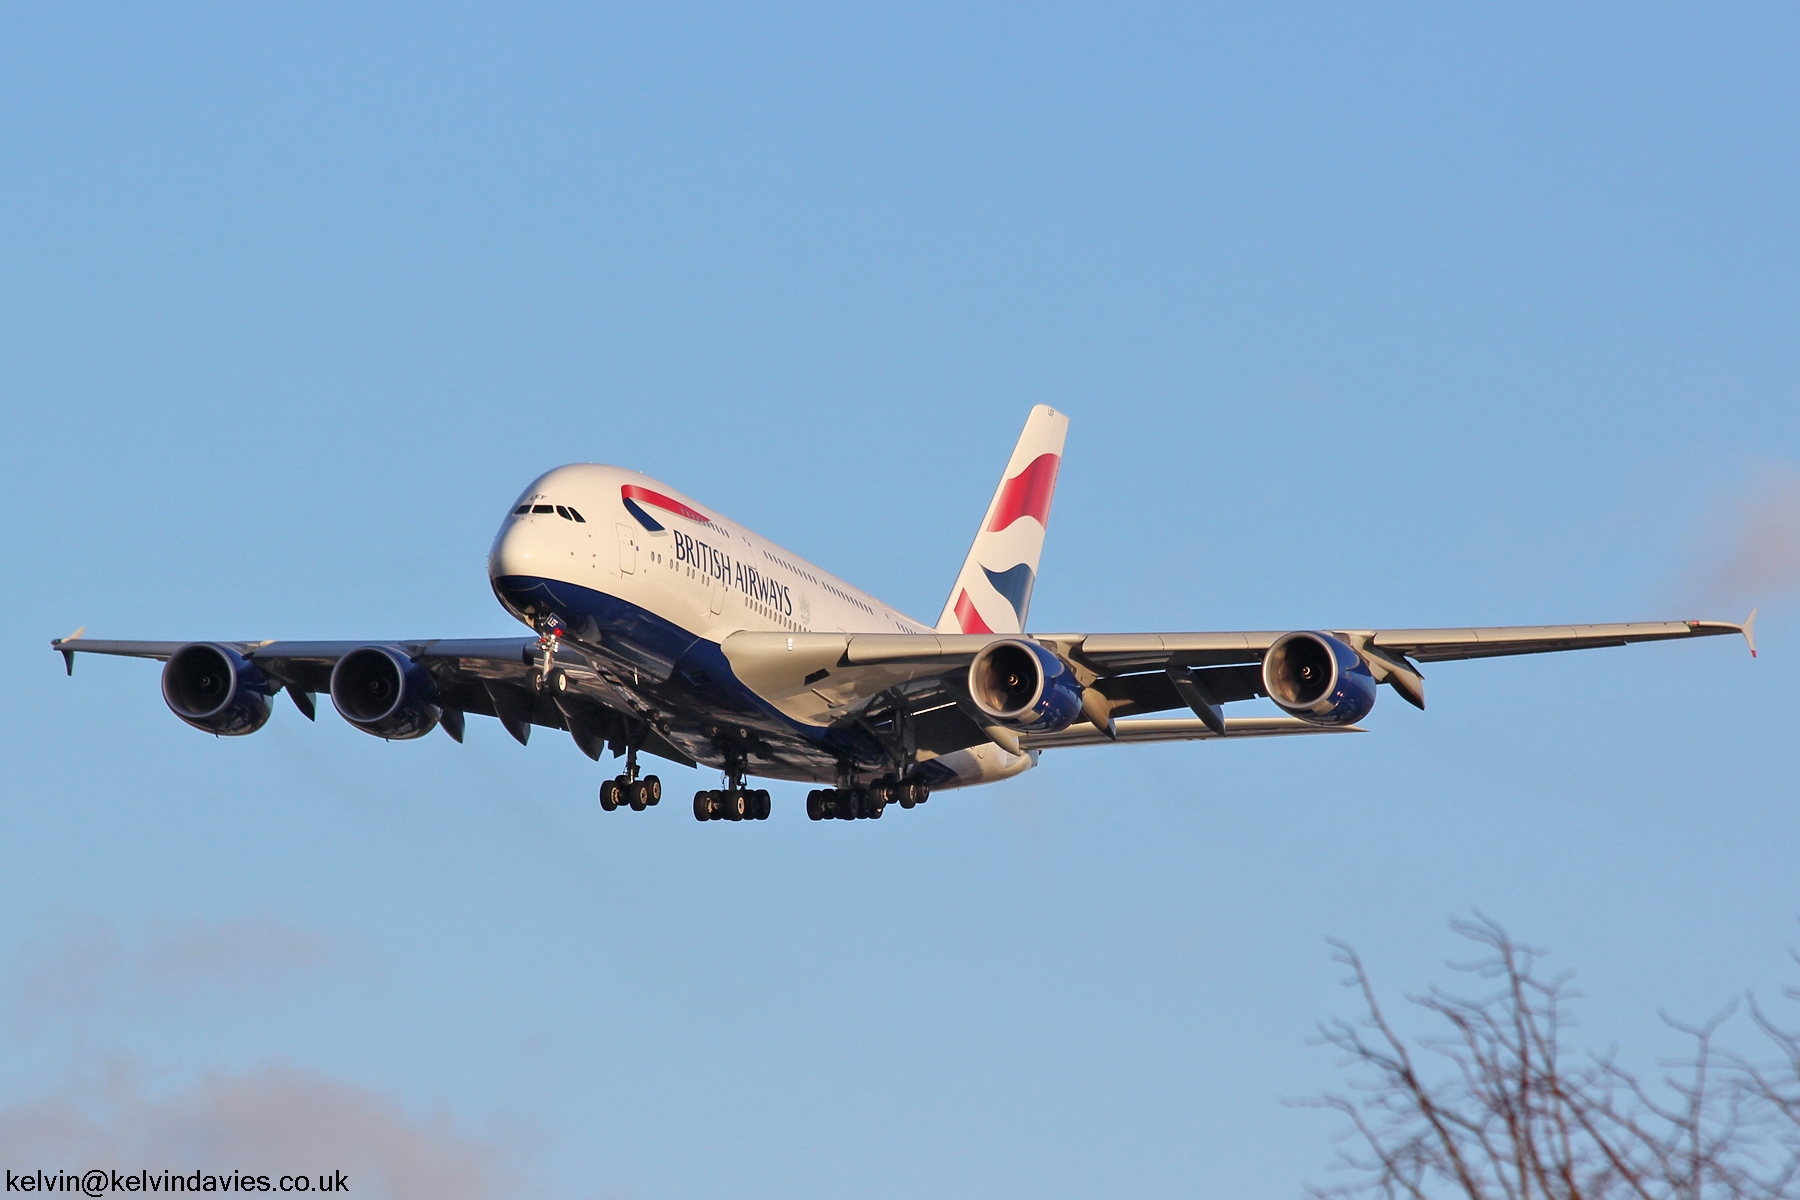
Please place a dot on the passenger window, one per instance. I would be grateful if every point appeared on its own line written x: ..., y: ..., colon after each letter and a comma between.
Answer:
x: 578, y: 517
x: 542, y: 508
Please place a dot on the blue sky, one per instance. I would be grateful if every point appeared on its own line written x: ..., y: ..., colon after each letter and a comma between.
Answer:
x: 1362, y: 318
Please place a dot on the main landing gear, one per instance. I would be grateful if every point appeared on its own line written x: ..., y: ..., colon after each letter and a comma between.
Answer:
x: 732, y: 804
x: 629, y: 789
x: 852, y: 804
x: 638, y: 793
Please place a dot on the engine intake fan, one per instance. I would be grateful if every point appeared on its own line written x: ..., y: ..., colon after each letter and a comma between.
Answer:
x: 1022, y: 686
x: 216, y: 689
x: 383, y: 692
x: 1318, y: 678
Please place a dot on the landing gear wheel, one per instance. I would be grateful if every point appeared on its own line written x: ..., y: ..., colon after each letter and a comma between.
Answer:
x: 849, y: 803
x: 737, y: 804
x: 634, y: 796
x: 814, y: 809
x: 702, y: 807
x: 609, y: 795
x: 763, y: 805
x: 652, y: 790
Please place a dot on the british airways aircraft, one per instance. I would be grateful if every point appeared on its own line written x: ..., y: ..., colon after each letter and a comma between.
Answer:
x: 663, y: 627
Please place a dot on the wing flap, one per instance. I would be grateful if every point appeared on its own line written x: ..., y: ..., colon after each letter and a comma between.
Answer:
x: 1116, y: 653
x: 1174, y: 729
x: 1442, y: 645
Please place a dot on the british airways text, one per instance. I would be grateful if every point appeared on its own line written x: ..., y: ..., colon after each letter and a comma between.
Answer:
x: 718, y: 564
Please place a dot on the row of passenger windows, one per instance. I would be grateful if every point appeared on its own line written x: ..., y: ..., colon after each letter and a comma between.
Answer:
x: 808, y: 576
x: 567, y: 514
x: 845, y: 596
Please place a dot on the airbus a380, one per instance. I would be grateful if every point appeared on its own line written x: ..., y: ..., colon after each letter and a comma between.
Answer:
x: 662, y: 627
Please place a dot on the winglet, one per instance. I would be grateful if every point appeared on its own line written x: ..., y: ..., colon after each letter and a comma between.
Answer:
x: 69, y: 655
x: 1750, y: 631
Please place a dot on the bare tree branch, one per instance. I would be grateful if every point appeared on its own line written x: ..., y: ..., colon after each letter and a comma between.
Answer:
x: 1513, y: 1114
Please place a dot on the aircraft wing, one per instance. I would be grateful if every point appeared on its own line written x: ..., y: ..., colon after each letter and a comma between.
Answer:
x: 495, y: 677
x: 824, y: 679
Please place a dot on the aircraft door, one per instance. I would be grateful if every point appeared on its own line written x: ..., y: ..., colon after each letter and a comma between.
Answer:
x: 628, y: 550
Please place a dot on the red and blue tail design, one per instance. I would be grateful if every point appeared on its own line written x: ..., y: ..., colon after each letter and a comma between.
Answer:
x: 993, y: 590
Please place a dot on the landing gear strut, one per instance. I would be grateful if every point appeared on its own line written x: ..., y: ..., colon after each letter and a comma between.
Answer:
x: 629, y: 789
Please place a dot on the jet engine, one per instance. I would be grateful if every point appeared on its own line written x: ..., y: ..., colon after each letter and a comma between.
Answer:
x: 1023, y: 686
x: 216, y: 689
x: 1318, y: 678
x: 382, y: 691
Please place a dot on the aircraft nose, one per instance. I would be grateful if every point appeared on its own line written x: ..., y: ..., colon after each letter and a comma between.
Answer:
x: 514, y: 550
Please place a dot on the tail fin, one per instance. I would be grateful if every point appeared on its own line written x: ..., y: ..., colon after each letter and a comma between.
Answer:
x: 993, y: 591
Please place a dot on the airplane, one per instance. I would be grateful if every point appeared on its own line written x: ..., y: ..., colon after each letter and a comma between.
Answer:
x: 660, y: 626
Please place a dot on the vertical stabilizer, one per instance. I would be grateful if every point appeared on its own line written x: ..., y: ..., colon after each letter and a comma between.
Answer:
x: 993, y: 592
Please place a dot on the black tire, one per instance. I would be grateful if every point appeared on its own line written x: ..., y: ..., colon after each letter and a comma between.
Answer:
x: 652, y: 790
x: 609, y: 795
x: 763, y: 804
x: 702, y: 807
x: 849, y: 803
x: 737, y: 805
x: 634, y: 796
x: 716, y: 799
x: 813, y: 807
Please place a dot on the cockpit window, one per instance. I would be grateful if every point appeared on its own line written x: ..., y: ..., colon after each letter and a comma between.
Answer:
x: 561, y: 510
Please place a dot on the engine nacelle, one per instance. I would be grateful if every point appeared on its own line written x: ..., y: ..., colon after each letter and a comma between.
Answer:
x: 1023, y: 686
x: 217, y: 689
x: 1318, y: 678
x: 381, y: 691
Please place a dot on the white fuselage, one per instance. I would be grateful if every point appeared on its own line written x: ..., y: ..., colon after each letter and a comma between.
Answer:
x: 711, y: 579
x: 647, y: 551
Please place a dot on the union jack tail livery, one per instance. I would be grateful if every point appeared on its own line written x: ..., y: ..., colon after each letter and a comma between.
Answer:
x: 993, y: 591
